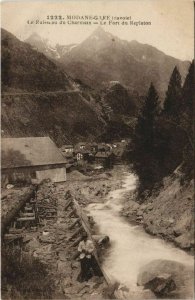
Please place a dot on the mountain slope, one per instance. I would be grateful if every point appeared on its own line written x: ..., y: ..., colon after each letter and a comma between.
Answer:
x: 38, y: 98
x: 119, y: 99
x: 65, y: 118
x: 103, y: 57
x: 42, y: 45
x: 27, y: 69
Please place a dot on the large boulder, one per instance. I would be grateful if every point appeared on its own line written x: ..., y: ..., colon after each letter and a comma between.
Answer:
x: 130, y: 208
x: 161, y: 285
x: 101, y: 239
x: 166, y: 277
x: 183, y: 224
x: 185, y: 241
x: 133, y: 206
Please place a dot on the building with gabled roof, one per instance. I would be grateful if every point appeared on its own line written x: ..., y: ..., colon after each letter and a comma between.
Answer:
x: 32, y: 158
x: 67, y: 151
x: 104, y: 158
x: 79, y: 146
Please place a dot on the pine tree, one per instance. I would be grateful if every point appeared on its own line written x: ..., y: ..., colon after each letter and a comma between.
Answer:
x: 146, y: 120
x: 186, y: 120
x: 178, y: 117
x: 188, y: 90
x: 145, y: 164
x: 173, y: 103
x: 182, y: 116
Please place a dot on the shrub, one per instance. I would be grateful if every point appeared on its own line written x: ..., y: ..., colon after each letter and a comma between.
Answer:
x: 25, y: 276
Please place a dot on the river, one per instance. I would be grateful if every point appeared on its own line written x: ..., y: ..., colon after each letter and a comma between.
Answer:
x: 131, y: 247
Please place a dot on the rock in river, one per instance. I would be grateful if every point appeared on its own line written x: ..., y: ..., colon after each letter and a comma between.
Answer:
x: 164, y: 276
x: 161, y: 285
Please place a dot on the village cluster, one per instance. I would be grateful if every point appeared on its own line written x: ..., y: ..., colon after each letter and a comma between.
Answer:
x: 98, y: 153
x: 33, y: 159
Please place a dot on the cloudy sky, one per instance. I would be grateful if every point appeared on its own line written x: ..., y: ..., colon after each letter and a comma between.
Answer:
x: 171, y: 28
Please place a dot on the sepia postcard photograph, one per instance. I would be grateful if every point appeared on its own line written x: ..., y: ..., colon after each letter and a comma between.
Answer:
x: 97, y: 149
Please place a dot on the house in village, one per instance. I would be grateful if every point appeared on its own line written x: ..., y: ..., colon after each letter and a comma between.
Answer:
x: 81, y: 152
x: 102, y: 147
x: 84, y: 155
x: 120, y: 151
x: 106, y: 159
x: 67, y: 150
x: 94, y: 147
x: 80, y: 146
x: 28, y: 158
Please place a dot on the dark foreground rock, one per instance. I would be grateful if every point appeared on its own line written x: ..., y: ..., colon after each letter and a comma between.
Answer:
x: 167, y: 278
x: 161, y: 285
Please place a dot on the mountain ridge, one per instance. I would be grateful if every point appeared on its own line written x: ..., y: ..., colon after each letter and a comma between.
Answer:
x: 103, y: 57
x: 39, y: 99
x: 31, y: 40
x: 106, y: 57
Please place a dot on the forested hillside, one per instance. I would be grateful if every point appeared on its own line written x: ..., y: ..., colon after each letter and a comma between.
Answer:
x: 163, y: 137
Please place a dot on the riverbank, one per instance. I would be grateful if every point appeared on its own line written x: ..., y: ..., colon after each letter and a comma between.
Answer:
x: 94, y: 188
x: 168, y: 213
x: 103, y: 196
x: 50, y: 244
x: 131, y: 249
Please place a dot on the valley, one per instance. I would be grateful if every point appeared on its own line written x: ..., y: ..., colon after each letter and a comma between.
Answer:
x: 97, y: 175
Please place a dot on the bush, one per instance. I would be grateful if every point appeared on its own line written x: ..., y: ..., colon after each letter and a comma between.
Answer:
x: 24, y: 277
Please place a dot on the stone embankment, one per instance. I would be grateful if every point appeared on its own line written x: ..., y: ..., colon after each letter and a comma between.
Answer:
x: 56, y: 242
x: 168, y: 214
x: 54, y: 238
x: 167, y: 279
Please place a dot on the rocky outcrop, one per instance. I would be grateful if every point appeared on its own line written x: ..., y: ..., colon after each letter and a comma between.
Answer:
x: 167, y: 278
x: 161, y: 285
x: 185, y: 241
x: 168, y: 214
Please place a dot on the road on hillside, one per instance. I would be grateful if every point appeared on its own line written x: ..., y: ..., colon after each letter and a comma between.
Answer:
x: 40, y: 93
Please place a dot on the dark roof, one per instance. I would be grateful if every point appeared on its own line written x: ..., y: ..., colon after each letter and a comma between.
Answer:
x: 29, y: 151
x: 66, y: 147
x: 82, y: 151
x: 67, y: 154
x: 103, y: 147
x: 80, y: 144
x: 103, y: 154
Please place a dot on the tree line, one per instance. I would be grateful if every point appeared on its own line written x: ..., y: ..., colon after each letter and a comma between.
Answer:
x: 163, y: 137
